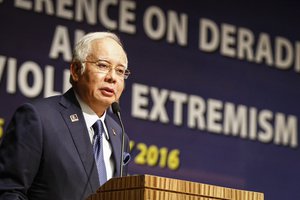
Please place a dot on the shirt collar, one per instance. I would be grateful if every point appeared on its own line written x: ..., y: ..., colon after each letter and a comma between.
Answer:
x: 89, y: 115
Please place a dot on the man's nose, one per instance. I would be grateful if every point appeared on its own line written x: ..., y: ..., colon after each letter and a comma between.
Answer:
x: 111, y: 74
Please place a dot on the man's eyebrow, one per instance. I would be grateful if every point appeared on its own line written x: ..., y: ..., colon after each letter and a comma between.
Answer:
x: 107, y: 60
x: 103, y: 59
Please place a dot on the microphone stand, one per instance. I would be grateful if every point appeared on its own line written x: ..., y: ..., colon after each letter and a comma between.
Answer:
x: 116, y: 110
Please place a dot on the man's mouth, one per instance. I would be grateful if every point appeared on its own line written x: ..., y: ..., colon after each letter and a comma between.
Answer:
x: 107, y: 91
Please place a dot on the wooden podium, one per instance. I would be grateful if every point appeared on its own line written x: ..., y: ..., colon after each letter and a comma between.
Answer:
x: 148, y: 187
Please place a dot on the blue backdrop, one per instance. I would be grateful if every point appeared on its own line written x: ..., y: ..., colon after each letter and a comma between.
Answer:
x: 214, y: 91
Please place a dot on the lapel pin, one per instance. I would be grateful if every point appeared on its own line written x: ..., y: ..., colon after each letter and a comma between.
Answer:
x: 114, y: 132
x: 74, y: 118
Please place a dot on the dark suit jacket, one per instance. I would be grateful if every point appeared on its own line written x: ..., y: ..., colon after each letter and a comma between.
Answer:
x: 44, y: 155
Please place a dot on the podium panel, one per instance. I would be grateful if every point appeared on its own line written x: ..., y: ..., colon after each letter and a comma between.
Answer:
x: 148, y: 187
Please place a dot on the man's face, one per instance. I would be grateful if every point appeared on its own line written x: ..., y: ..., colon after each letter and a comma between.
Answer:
x: 97, y: 89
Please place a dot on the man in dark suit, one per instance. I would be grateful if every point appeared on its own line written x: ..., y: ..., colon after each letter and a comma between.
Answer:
x: 48, y: 149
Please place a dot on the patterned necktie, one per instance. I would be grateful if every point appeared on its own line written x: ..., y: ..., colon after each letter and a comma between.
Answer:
x: 98, y: 151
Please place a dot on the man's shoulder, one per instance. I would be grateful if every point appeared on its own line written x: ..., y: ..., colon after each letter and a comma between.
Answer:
x: 49, y: 101
x: 54, y: 100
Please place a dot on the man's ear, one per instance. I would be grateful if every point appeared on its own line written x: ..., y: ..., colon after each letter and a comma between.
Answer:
x: 75, y: 71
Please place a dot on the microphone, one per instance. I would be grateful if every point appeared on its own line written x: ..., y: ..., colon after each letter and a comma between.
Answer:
x: 116, y: 110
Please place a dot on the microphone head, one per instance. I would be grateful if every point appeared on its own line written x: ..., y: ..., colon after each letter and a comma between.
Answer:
x: 115, y: 107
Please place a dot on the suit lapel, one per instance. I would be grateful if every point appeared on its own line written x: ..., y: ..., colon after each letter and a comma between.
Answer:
x: 114, y: 132
x: 75, y: 121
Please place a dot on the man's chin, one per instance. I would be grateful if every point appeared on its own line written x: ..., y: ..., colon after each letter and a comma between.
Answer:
x: 107, y: 101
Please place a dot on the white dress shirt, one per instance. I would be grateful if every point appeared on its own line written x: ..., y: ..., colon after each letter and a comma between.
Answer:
x: 90, y: 118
